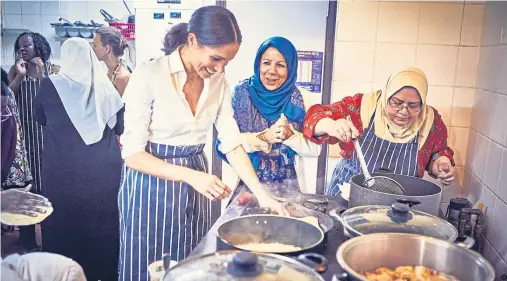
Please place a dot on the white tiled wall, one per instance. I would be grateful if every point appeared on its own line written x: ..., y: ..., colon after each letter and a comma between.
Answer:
x: 443, y: 38
x: 37, y: 15
x: 31, y: 15
x: 486, y: 162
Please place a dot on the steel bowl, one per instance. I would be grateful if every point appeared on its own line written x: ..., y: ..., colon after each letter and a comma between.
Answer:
x: 369, y: 252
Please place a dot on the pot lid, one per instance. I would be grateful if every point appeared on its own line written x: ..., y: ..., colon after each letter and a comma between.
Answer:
x: 397, y: 218
x: 241, y: 265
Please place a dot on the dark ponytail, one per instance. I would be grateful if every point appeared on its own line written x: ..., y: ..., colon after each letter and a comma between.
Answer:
x: 212, y: 25
x: 175, y: 37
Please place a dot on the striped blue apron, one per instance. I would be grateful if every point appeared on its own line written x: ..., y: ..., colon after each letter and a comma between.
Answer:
x: 159, y: 216
x: 32, y: 131
x: 379, y: 154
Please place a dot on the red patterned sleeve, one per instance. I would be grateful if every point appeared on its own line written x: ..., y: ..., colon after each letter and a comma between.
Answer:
x: 349, y: 106
x: 436, y: 144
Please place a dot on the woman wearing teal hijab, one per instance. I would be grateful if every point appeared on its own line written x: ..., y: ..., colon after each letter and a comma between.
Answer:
x: 270, y: 111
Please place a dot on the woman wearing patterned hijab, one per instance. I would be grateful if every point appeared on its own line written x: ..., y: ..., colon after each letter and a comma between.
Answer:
x: 270, y: 110
x: 398, y: 132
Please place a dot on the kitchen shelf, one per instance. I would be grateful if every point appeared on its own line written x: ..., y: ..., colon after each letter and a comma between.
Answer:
x: 62, y: 39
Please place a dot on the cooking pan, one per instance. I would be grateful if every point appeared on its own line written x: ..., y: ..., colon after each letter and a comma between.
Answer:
x: 426, y: 193
x: 271, y: 229
x: 326, y: 223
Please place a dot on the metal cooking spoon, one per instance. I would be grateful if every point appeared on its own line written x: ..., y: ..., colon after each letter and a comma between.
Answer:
x: 377, y: 183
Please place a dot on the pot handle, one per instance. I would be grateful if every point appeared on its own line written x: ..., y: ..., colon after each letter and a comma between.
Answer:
x: 166, y: 258
x: 385, y: 170
x: 409, y: 202
x: 462, y: 245
x: 317, y: 262
x: 334, y: 214
x: 341, y: 277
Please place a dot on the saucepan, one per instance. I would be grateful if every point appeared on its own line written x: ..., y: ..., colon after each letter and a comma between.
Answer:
x: 391, y: 250
x: 244, y: 266
x: 398, y: 218
x: 285, y: 234
x: 426, y: 193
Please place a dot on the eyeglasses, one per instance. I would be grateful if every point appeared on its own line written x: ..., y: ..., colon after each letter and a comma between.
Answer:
x: 412, y: 107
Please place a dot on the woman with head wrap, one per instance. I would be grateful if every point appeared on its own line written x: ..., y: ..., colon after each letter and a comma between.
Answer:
x: 81, y: 113
x: 397, y: 130
x: 270, y: 110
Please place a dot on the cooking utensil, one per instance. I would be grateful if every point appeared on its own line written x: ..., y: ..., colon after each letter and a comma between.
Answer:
x: 428, y: 193
x: 369, y: 252
x: 236, y: 265
x: 270, y: 229
x: 107, y: 16
x: 398, y: 218
x: 377, y: 183
x: 131, y: 18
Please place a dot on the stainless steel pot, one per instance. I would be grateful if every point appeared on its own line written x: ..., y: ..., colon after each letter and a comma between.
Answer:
x: 398, y: 218
x: 427, y: 193
x: 245, y: 266
x: 369, y: 252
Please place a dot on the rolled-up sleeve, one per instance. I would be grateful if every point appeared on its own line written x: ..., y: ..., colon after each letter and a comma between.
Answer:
x: 228, y: 131
x: 138, y: 100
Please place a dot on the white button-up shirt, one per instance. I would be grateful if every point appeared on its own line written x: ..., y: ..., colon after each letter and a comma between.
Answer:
x: 157, y: 112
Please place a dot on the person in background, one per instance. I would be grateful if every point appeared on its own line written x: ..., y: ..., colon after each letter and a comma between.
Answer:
x: 398, y: 132
x: 34, y: 266
x: 32, y: 53
x: 15, y: 170
x: 270, y: 111
x: 81, y: 113
x: 40, y: 267
x: 167, y: 200
x: 109, y: 46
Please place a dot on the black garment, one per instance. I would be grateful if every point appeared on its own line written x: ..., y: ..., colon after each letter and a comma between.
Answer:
x: 82, y: 183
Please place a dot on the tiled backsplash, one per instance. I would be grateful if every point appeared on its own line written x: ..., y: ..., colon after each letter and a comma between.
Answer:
x: 462, y: 48
x: 375, y: 38
x: 37, y: 15
x: 486, y: 162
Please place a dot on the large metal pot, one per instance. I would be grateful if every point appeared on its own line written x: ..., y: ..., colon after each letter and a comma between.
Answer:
x: 398, y: 218
x: 427, y: 193
x: 369, y: 252
x: 244, y: 266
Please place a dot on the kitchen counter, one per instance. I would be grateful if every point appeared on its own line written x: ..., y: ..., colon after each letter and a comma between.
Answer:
x: 210, y: 243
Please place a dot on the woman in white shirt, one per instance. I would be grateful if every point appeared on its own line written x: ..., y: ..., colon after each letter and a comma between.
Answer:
x: 166, y: 196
